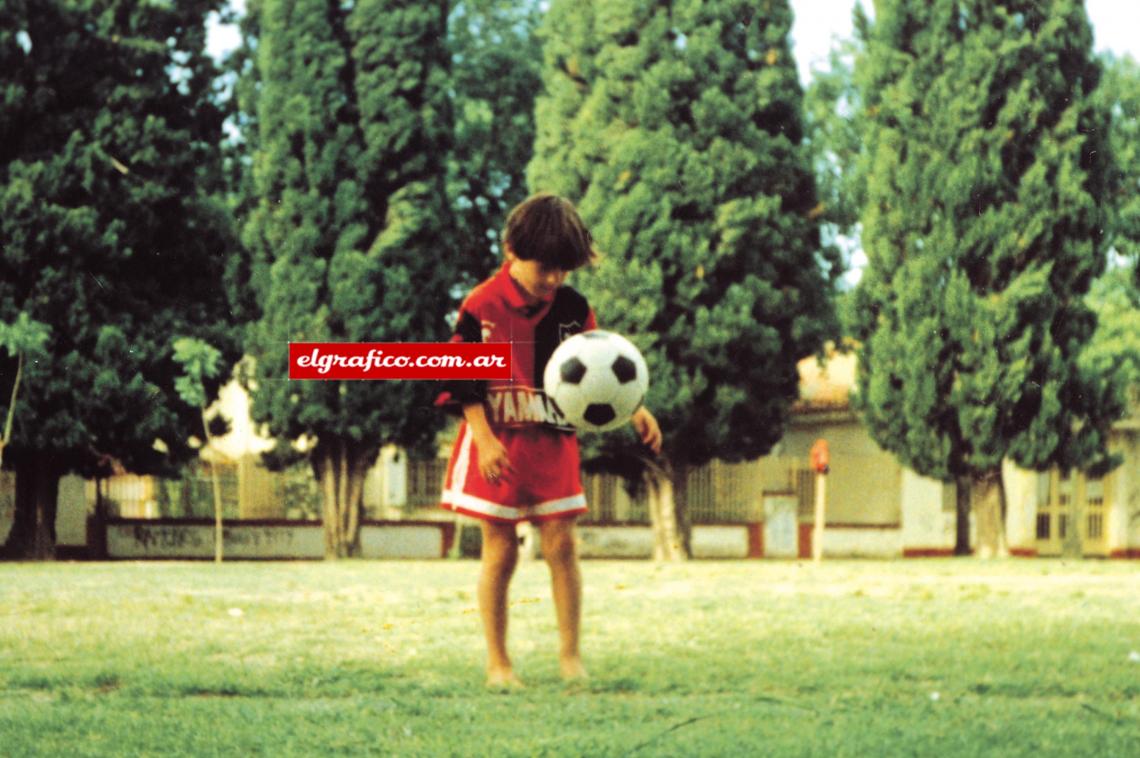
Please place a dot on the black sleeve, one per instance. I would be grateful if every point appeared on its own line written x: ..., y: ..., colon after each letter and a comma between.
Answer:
x: 568, y: 315
x: 456, y: 393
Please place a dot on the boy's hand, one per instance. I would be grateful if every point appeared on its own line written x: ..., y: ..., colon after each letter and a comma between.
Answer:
x: 493, y: 461
x: 647, y: 429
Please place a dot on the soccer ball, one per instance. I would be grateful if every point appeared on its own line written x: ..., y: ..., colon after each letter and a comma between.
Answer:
x: 596, y: 379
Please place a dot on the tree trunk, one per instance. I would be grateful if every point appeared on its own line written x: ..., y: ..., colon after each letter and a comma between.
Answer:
x: 662, y: 517
x: 219, y: 531
x: 1072, y: 545
x: 33, y: 529
x: 666, y: 515
x: 989, y: 508
x: 97, y: 525
x: 341, y: 467
x: 962, y: 516
x: 681, y: 511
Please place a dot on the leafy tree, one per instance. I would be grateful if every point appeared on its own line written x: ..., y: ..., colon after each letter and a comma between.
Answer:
x: 836, y: 122
x: 108, y: 142
x: 1115, y: 297
x: 238, y: 97
x: 677, y: 128
x: 833, y: 111
x: 351, y: 226
x: 1114, y: 353
x: 1119, y: 93
x: 23, y: 340
x: 201, y: 362
x: 496, y: 72
x: 496, y: 60
x: 987, y: 178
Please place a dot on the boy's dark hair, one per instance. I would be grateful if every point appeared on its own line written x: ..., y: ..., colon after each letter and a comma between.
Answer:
x: 547, y: 228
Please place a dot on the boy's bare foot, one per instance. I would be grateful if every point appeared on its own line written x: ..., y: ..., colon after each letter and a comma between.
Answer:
x: 573, y: 670
x: 503, y: 680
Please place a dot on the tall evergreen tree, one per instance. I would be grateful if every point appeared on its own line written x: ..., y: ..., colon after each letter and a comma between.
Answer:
x: 1119, y: 94
x: 246, y: 275
x: 836, y: 124
x: 351, y: 227
x: 987, y: 181
x: 834, y: 116
x: 108, y: 140
x: 1114, y: 352
x: 677, y: 128
x: 496, y: 74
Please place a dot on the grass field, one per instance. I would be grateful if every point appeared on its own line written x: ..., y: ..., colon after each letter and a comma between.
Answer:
x: 1028, y: 657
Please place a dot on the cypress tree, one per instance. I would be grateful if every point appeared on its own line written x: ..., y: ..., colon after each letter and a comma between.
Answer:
x: 496, y: 74
x: 1114, y: 353
x: 677, y: 128
x: 351, y: 230
x: 1119, y: 93
x: 983, y: 226
x: 833, y: 111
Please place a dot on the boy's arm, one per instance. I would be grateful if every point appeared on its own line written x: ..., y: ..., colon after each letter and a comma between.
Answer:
x: 456, y: 394
x: 493, y: 460
x: 648, y: 429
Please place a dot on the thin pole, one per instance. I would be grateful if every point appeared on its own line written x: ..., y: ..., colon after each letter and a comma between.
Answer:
x: 817, y: 533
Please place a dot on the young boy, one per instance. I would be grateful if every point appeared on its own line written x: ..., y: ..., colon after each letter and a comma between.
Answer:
x: 515, y: 459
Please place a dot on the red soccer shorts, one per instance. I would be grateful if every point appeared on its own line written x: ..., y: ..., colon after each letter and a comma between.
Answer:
x: 544, y: 484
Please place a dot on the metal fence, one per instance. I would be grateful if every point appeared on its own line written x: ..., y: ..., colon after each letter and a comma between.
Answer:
x: 247, y: 491
x: 725, y: 493
x: 425, y: 482
x: 188, y: 496
x: 715, y: 494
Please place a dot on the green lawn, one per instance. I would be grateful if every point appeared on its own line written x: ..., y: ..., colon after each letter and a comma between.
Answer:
x: 1028, y: 657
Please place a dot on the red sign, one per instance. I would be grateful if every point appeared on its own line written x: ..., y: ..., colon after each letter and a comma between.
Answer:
x: 399, y: 360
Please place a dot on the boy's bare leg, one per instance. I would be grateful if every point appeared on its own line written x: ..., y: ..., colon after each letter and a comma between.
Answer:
x: 500, y: 556
x: 561, y: 553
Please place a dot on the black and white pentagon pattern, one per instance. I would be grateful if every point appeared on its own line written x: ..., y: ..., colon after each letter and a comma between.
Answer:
x: 572, y: 370
x: 599, y: 414
x: 597, y: 380
x: 625, y: 369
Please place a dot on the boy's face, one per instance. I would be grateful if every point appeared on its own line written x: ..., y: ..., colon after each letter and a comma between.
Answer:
x: 537, y: 280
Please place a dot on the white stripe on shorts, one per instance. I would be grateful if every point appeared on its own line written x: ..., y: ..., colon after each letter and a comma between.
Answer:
x: 506, y: 512
x: 463, y: 462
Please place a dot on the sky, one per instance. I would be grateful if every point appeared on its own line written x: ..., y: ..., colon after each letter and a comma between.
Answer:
x: 1116, y: 28
x: 818, y: 22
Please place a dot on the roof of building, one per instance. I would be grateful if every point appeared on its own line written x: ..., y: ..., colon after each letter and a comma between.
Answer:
x: 826, y: 386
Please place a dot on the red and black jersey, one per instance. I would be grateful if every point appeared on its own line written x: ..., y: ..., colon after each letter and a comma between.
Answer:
x: 497, y: 311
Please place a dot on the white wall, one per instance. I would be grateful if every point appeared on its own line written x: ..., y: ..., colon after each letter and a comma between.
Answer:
x: 615, y: 542
x: 410, y: 541
x: 720, y: 541
x: 7, y: 503
x: 924, y: 521
x: 862, y: 543
x: 71, y: 512
x: 637, y: 541
x: 1124, y: 518
x: 167, y: 540
x: 781, y: 526
x: 250, y: 541
x: 1021, y: 506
